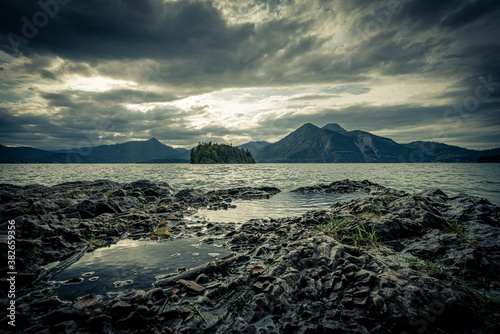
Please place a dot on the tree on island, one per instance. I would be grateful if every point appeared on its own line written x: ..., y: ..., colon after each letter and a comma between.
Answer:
x: 213, y: 153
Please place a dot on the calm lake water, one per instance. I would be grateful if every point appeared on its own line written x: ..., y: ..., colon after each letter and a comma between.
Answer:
x: 473, y: 179
x: 132, y: 264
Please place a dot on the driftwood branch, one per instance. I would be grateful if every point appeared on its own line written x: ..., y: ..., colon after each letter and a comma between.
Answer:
x: 206, y: 267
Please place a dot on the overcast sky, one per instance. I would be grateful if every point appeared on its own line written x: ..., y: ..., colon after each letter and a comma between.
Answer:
x: 86, y: 73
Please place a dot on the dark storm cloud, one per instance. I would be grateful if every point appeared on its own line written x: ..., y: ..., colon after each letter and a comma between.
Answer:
x: 123, y: 29
x: 63, y: 99
x: 47, y: 75
x: 193, y: 44
x: 189, y: 39
x: 430, y: 12
x: 471, y: 12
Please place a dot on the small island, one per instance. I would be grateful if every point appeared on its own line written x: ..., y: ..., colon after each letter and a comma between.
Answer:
x: 213, y: 153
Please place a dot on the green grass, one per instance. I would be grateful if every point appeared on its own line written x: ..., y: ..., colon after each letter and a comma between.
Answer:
x: 23, y: 210
x: 333, y: 227
x: 268, y: 258
x: 34, y: 253
x: 364, y: 236
x: 92, y: 242
x: 367, y: 238
x: 452, y: 226
x: 486, y: 306
x: 430, y: 267
x: 374, y: 211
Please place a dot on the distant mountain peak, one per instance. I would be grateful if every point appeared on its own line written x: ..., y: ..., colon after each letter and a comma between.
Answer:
x: 153, y: 140
x: 335, y: 128
x: 308, y: 126
x: 254, y: 146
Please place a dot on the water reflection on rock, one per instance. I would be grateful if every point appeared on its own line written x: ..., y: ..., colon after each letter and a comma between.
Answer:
x: 131, y: 264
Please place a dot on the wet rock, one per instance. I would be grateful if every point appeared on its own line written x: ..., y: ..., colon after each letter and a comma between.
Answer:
x: 191, y: 196
x: 86, y: 209
x: 348, y: 186
x: 122, y: 204
x: 68, y: 326
x: 428, y: 246
x: 102, y: 208
x: 118, y: 193
x: 121, y: 309
x: 13, y: 210
x: 245, y: 193
x: 89, y: 301
x: 155, y: 294
x: 42, y: 207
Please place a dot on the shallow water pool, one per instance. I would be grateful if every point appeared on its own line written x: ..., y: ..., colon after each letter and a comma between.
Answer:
x: 131, y: 264
x: 284, y: 204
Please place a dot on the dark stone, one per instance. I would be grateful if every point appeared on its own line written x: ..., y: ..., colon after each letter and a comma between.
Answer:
x: 44, y: 207
x: 118, y: 193
x: 156, y: 294
x: 104, y: 208
x: 121, y: 309
x: 122, y: 204
x: 87, y: 209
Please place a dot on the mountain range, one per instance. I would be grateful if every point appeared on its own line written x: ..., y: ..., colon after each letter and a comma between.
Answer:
x: 149, y: 151
x: 307, y: 144
x: 332, y: 143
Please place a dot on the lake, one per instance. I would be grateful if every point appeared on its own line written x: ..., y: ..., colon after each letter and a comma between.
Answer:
x: 471, y: 178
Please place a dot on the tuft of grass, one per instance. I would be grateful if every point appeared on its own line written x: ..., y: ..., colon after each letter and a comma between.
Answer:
x: 377, y: 210
x: 430, y: 267
x: 364, y: 236
x: 486, y: 306
x: 452, y: 226
x: 34, y: 253
x: 268, y: 258
x: 167, y: 203
x: 374, y: 211
x: 92, y: 242
x: 23, y: 210
x: 140, y: 205
x: 368, y: 239
x: 333, y: 227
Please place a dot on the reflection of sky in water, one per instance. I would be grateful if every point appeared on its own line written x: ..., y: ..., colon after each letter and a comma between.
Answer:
x: 285, y: 204
x: 133, y: 264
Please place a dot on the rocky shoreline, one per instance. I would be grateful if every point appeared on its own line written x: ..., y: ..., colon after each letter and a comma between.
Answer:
x: 392, y: 262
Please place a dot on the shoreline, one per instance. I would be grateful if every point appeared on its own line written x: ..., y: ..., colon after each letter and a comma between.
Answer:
x: 471, y: 179
x: 375, y: 264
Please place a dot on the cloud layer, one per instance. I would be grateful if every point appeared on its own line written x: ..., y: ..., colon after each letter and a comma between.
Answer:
x: 187, y: 71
